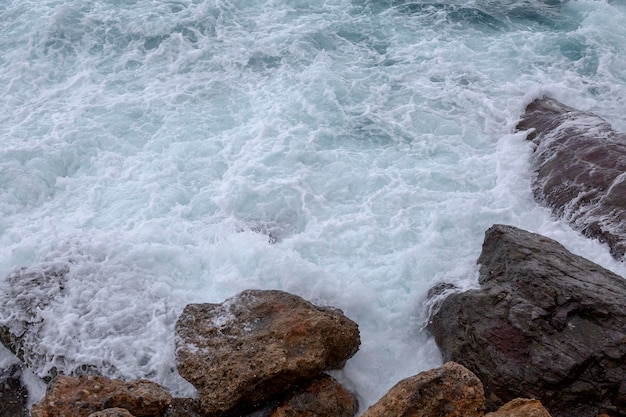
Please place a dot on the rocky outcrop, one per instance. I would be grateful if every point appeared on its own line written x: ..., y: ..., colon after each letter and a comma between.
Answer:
x: 322, y: 397
x: 545, y: 324
x: 13, y: 395
x: 70, y: 396
x: 580, y: 165
x: 521, y: 407
x: 448, y: 391
x: 257, y: 345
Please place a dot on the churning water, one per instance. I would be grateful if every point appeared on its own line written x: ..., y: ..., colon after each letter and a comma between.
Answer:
x: 352, y: 152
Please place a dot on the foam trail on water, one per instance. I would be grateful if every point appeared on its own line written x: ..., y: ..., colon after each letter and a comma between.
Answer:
x: 351, y: 152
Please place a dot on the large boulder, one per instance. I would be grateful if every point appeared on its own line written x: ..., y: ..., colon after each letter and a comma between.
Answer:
x: 448, y: 391
x: 580, y: 164
x: 545, y: 324
x: 257, y: 345
x: 81, y: 396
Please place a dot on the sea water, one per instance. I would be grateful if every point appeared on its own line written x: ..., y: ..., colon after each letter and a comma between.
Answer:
x: 352, y: 152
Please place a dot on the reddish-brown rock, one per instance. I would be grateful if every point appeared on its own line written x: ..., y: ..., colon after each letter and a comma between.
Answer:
x: 323, y: 397
x: 448, y: 391
x: 70, y: 396
x: 521, y: 407
x: 580, y: 164
x: 257, y: 345
x: 112, y: 412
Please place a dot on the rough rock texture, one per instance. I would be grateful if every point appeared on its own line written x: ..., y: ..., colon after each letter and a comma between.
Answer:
x: 112, y: 412
x: 184, y: 407
x: 521, y: 407
x: 323, y: 397
x: 13, y: 395
x: 70, y: 396
x: 448, y: 391
x: 545, y: 324
x: 258, y: 344
x: 580, y: 165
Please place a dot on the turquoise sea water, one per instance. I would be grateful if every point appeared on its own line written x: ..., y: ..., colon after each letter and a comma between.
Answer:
x: 352, y: 152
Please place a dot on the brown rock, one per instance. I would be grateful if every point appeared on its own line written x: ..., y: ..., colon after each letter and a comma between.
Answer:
x: 521, y: 407
x: 323, y: 397
x: 112, y: 412
x: 448, y: 391
x: 184, y: 407
x: 70, y: 396
x: 258, y: 344
x: 580, y: 163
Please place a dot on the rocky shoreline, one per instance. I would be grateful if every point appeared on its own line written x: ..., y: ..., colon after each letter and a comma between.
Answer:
x: 546, y: 328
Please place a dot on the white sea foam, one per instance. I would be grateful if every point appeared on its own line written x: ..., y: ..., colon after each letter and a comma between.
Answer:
x: 160, y: 147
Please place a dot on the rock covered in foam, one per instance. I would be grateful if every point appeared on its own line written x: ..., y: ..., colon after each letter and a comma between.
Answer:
x: 545, y: 323
x: 448, y: 391
x: 25, y: 295
x: 257, y: 345
x: 80, y: 396
x: 580, y: 165
x: 322, y: 397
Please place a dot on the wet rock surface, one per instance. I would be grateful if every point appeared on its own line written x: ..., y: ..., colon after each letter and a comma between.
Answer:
x: 448, y: 391
x: 580, y: 165
x: 24, y: 295
x: 545, y: 324
x: 81, y: 396
x: 257, y: 345
x: 13, y: 395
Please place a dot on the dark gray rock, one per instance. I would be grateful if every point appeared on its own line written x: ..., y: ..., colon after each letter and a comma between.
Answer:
x: 258, y: 345
x: 545, y: 324
x: 13, y: 395
x: 24, y: 294
x: 580, y: 165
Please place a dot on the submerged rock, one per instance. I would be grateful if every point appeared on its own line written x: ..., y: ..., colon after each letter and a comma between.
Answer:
x: 580, y: 165
x: 257, y: 345
x: 71, y: 396
x: 448, y: 391
x: 545, y: 324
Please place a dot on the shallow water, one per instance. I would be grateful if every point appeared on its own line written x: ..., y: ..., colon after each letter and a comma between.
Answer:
x: 351, y: 152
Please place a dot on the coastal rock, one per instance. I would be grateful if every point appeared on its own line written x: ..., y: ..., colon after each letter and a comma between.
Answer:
x: 322, y: 397
x: 112, y: 412
x: 257, y: 345
x: 521, y: 407
x: 545, y: 324
x: 580, y: 165
x: 13, y: 395
x: 184, y: 407
x: 24, y: 295
x: 448, y: 391
x: 80, y: 396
